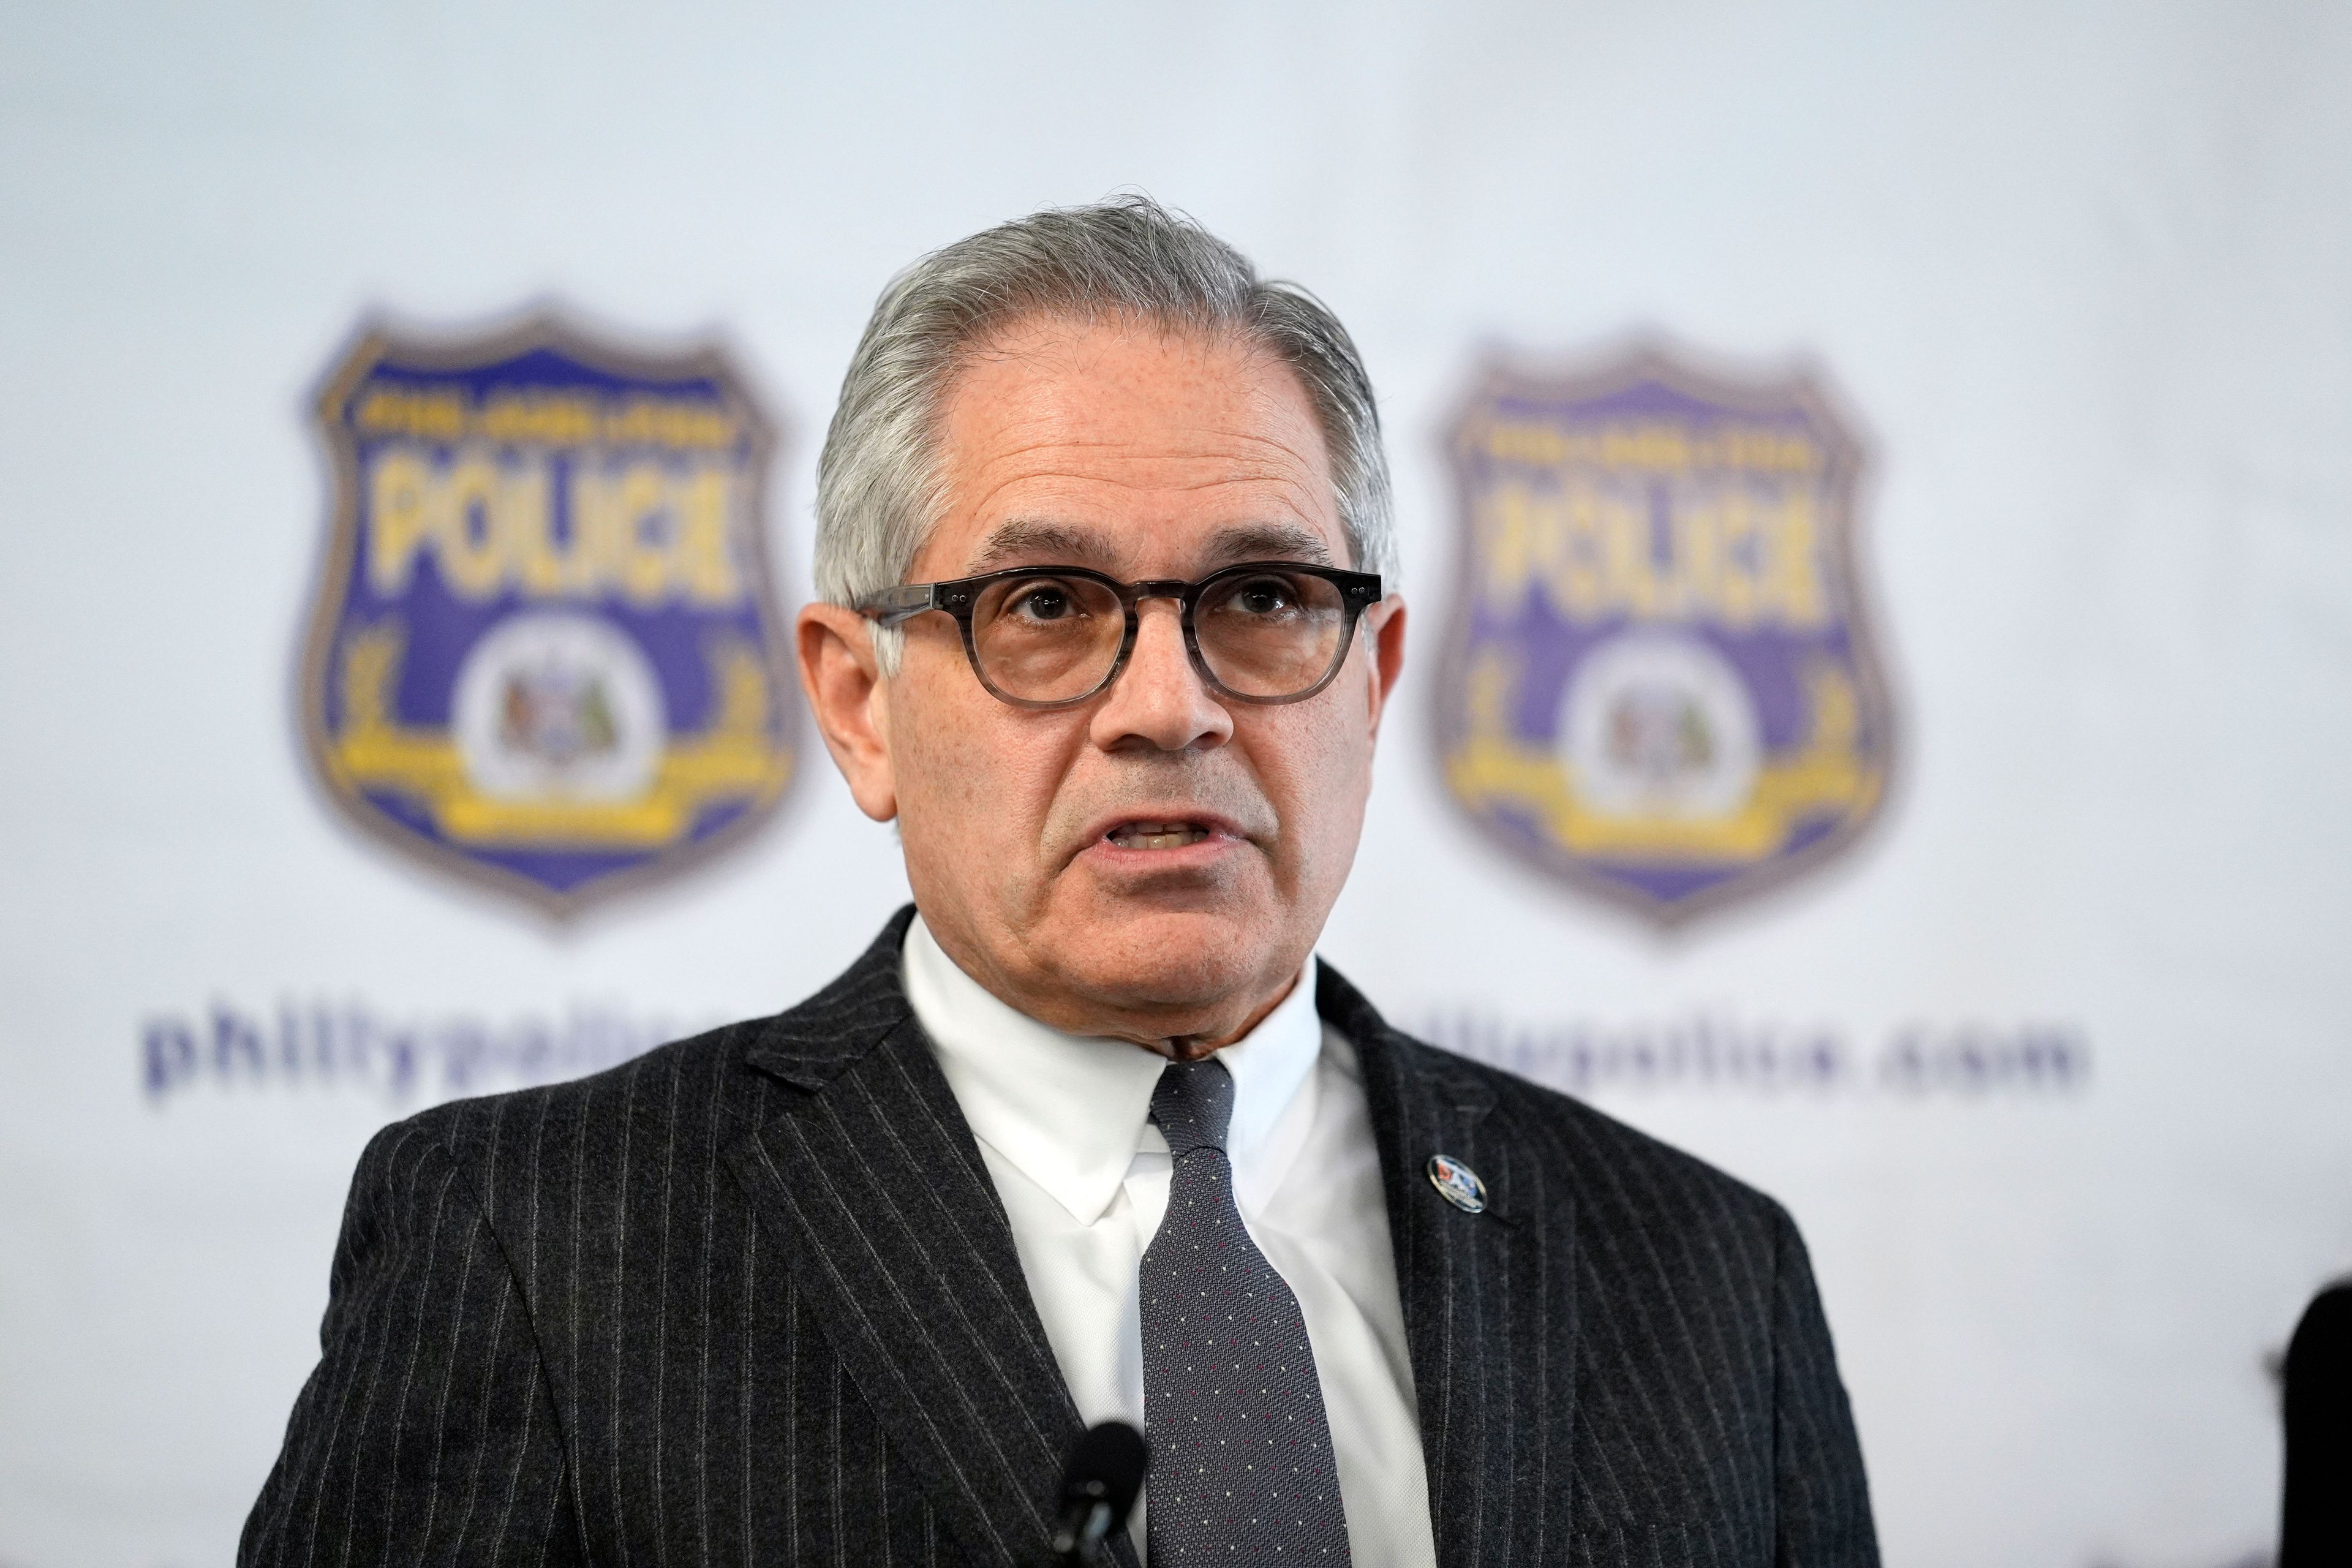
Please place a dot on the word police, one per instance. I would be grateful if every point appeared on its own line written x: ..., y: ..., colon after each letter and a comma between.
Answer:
x: 544, y: 497
x: 1742, y: 542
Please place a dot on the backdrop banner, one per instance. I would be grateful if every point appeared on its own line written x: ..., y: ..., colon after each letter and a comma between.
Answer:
x: 1873, y: 487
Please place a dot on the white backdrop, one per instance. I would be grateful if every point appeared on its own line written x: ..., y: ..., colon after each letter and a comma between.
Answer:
x: 2085, y: 273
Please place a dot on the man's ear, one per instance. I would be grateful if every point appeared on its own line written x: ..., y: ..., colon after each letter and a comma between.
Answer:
x: 851, y: 702
x: 1383, y: 635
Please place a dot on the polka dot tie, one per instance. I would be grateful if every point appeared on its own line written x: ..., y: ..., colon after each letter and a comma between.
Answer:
x: 1240, y: 1450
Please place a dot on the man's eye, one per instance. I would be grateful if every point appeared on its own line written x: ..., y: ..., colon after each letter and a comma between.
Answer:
x: 1046, y: 602
x: 1265, y: 597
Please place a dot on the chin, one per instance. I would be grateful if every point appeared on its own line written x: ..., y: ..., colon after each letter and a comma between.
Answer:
x: 1180, y: 960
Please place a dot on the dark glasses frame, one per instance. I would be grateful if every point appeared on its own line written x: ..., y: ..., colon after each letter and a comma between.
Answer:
x: 960, y: 598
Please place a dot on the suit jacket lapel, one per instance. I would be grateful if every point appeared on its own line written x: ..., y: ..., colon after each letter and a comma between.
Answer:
x: 1489, y: 1298
x: 871, y: 1179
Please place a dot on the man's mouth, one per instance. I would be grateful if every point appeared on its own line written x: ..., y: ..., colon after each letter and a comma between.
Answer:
x: 1156, y: 834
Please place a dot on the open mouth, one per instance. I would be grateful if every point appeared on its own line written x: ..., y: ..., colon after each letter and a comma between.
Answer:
x: 1156, y: 834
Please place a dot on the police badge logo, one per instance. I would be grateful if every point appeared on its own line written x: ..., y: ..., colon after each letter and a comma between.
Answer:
x: 545, y: 652
x: 1660, y: 680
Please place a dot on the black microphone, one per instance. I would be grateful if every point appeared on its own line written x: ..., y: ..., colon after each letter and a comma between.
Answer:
x: 2316, y: 1526
x: 1099, y: 1491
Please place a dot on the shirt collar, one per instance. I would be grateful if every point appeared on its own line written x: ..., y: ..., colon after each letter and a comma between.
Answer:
x: 1070, y: 1111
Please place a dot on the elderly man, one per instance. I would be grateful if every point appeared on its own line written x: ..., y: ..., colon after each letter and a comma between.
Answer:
x: 1104, y: 535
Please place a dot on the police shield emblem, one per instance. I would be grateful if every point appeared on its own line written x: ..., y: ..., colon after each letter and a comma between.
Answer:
x: 1660, y: 680
x: 545, y: 652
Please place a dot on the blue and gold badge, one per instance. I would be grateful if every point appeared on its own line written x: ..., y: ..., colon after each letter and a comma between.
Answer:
x: 546, y: 652
x: 1660, y: 680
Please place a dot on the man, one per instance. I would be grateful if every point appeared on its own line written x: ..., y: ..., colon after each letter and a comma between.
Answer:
x: 1103, y: 541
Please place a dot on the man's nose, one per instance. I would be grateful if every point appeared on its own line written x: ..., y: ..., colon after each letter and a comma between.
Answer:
x: 1160, y: 701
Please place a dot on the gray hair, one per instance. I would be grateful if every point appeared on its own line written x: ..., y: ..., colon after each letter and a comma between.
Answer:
x: 877, y: 484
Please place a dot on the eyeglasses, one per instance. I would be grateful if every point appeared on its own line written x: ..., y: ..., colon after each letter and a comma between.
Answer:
x: 1048, y: 636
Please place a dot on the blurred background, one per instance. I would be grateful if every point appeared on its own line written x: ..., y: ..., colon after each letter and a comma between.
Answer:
x: 2080, y: 274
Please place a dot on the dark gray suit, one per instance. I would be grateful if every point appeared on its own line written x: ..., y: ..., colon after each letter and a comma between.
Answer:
x: 753, y: 1298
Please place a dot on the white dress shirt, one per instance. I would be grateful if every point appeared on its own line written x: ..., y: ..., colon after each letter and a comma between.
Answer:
x: 1063, y: 1125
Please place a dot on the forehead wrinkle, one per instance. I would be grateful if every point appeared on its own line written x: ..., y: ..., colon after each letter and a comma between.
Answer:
x: 1288, y: 490
x: 1262, y: 459
x: 1259, y: 456
x: 1024, y: 423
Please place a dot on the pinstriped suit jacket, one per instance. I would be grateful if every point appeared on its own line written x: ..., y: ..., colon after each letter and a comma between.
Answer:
x: 753, y: 1298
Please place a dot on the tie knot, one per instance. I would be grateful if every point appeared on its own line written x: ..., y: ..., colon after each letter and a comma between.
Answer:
x: 1193, y: 1105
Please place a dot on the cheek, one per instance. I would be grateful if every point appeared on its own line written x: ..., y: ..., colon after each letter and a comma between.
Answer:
x: 1318, y: 770
x: 959, y: 764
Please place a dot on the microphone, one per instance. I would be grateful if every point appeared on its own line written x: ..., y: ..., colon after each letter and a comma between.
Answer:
x: 2316, y: 1526
x: 1098, y: 1489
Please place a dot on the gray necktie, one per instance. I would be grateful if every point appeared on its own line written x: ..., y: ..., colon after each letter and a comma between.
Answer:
x: 1241, y: 1451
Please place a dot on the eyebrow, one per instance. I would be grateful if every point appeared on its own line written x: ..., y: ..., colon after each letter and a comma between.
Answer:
x: 1037, y: 542
x: 1033, y: 541
x: 1268, y: 541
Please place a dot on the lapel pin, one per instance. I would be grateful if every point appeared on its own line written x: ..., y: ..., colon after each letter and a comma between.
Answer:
x: 1457, y: 1184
